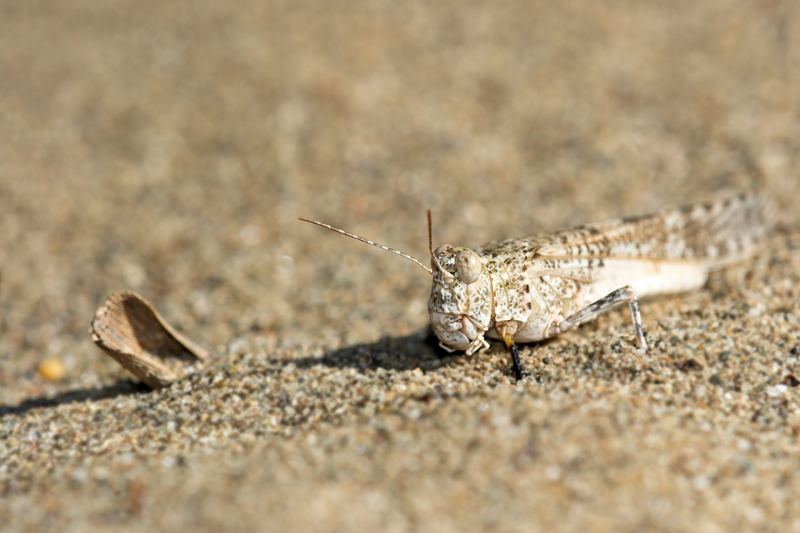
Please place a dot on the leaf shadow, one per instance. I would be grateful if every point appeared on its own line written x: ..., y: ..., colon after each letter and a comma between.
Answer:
x: 122, y: 387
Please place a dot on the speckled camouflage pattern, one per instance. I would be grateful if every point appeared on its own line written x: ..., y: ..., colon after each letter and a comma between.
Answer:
x: 529, y: 286
x: 461, y: 313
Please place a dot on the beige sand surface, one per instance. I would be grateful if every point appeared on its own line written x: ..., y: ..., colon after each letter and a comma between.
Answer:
x: 168, y: 147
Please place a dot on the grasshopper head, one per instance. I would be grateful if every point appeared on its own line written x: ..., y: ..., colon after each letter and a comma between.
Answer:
x: 461, y: 298
x: 460, y: 305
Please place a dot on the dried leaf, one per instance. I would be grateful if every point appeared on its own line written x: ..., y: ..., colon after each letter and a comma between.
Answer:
x: 131, y: 331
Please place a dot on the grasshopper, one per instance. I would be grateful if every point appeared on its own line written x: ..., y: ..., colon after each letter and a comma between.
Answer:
x: 530, y: 289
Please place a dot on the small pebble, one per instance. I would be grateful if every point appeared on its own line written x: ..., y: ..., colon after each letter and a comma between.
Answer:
x: 51, y: 369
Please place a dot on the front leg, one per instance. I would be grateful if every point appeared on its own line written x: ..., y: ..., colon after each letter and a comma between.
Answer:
x: 478, y: 344
x: 620, y: 295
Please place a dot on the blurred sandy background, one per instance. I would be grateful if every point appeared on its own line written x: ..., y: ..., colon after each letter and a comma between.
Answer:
x: 169, y: 148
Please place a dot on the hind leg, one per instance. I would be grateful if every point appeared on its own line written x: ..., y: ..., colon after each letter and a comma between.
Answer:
x: 620, y: 295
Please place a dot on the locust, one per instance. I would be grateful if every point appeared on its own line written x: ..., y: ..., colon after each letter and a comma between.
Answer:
x: 532, y: 288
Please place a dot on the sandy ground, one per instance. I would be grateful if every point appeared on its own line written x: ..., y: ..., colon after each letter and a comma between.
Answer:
x: 168, y: 148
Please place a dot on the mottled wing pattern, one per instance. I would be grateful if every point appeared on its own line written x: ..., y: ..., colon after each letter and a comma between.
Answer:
x: 721, y: 231
x: 712, y: 234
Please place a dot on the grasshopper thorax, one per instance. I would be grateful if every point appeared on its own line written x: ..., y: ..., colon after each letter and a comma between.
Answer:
x: 461, y: 298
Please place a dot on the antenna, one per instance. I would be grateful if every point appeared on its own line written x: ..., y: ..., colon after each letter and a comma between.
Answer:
x: 382, y: 247
x: 430, y: 233
x: 447, y: 275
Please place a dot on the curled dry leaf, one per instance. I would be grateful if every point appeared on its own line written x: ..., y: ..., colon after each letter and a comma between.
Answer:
x: 131, y: 331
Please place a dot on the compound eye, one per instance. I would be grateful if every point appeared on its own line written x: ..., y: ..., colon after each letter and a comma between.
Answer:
x: 468, y: 266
